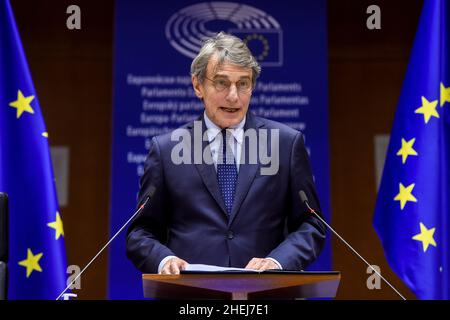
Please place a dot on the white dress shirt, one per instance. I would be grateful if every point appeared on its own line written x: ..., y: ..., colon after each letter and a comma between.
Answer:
x: 215, y: 139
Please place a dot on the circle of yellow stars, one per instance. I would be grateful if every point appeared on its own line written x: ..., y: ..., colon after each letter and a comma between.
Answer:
x: 405, y: 195
x: 264, y: 42
x: 31, y: 263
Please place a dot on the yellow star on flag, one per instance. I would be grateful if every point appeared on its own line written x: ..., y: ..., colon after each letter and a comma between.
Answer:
x: 428, y: 109
x: 31, y: 262
x: 405, y: 195
x: 445, y: 94
x: 407, y: 149
x: 425, y: 236
x: 22, y: 104
x: 57, y: 225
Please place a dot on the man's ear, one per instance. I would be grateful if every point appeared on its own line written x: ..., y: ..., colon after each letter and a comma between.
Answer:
x: 197, y: 87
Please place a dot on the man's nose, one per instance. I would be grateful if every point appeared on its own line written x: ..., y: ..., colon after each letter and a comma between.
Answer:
x: 232, y: 95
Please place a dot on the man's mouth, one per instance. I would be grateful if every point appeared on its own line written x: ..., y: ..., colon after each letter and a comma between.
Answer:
x: 230, y: 110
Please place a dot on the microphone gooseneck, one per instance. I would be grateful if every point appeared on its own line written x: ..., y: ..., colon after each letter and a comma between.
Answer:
x: 150, y: 194
x: 304, y: 200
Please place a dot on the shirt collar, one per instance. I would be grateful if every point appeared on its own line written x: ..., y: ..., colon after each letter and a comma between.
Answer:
x: 213, y: 130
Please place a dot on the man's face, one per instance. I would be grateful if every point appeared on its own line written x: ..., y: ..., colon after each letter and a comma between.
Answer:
x: 228, y: 107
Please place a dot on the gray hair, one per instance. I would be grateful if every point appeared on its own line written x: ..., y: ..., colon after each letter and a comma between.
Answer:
x: 228, y: 48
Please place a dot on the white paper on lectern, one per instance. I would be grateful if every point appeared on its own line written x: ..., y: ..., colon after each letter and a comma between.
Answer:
x: 211, y: 268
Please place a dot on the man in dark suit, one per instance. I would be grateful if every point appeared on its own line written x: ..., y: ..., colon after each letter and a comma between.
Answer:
x: 229, y: 208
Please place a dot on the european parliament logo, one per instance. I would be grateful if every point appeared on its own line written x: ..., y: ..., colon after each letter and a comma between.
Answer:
x: 187, y: 28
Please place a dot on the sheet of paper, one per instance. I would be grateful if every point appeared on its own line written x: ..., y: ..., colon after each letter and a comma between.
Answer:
x: 211, y: 268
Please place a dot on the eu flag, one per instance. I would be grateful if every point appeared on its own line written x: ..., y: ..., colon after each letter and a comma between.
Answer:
x: 37, y: 260
x: 412, y: 214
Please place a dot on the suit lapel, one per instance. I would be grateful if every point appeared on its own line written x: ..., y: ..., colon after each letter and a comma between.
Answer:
x: 208, y: 171
x: 247, y: 172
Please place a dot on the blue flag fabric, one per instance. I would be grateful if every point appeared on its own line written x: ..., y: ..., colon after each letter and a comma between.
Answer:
x: 413, y: 206
x: 37, y: 259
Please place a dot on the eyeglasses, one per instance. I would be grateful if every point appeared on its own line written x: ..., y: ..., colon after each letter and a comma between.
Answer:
x: 242, y: 86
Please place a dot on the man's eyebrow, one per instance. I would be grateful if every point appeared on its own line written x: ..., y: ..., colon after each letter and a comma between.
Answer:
x: 225, y: 76
x: 220, y: 76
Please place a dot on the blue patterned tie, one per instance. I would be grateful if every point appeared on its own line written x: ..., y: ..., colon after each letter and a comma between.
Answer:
x: 227, y: 171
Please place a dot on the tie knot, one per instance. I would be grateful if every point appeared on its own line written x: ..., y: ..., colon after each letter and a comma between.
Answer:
x: 227, y: 147
x: 225, y: 139
x: 224, y: 134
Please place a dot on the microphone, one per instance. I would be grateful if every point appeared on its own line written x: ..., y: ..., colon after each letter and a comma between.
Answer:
x: 151, y: 192
x: 304, y: 199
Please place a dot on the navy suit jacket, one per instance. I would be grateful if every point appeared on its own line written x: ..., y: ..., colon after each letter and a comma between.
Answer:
x: 186, y: 217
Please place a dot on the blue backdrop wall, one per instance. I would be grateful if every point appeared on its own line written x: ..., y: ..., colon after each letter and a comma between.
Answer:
x: 154, y: 46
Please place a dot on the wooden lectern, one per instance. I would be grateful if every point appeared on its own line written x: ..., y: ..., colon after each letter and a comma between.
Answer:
x: 242, y: 285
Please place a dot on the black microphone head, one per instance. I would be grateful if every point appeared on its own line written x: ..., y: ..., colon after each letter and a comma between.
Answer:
x: 151, y: 191
x: 303, y: 196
